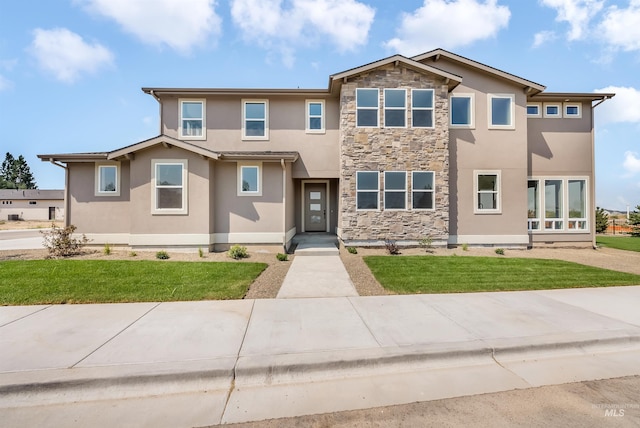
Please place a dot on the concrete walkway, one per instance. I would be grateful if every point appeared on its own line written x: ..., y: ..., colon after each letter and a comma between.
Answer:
x: 317, y: 270
x: 204, y: 363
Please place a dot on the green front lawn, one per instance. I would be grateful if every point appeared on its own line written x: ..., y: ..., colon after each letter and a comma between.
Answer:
x: 629, y: 243
x: 455, y: 274
x: 31, y: 282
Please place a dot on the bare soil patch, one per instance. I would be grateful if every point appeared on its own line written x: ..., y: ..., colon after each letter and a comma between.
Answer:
x: 27, y: 224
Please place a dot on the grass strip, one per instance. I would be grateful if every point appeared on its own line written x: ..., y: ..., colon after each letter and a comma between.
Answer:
x: 628, y: 243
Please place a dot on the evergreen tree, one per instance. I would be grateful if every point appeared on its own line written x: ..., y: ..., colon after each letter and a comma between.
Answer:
x: 602, y: 220
x: 16, y: 174
x: 24, y: 177
x: 634, y: 221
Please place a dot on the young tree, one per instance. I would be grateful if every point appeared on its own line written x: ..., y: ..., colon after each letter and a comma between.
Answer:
x: 7, y: 172
x: 16, y: 174
x: 602, y: 220
x: 634, y: 221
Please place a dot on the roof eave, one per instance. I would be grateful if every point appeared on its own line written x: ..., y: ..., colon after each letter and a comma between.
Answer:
x: 267, y: 156
x: 73, y: 157
x: 572, y: 96
x: 236, y: 91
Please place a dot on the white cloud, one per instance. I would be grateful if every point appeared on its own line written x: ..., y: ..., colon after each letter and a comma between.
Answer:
x: 578, y: 13
x: 543, y: 37
x: 345, y: 23
x: 67, y: 55
x: 620, y: 28
x: 448, y: 24
x: 177, y: 24
x: 624, y: 107
x: 5, y: 83
x: 8, y: 64
x: 631, y: 162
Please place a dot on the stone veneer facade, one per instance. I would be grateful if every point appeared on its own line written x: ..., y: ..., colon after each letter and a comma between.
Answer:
x: 394, y: 149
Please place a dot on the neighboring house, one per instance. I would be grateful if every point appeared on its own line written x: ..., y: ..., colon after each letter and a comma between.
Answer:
x: 435, y: 146
x: 31, y: 204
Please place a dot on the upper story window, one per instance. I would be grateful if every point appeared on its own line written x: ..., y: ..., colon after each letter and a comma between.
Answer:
x: 192, y: 122
x: 367, y: 107
x: 461, y: 111
x: 534, y: 110
x: 367, y: 190
x: 572, y: 110
x: 487, y: 192
x: 169, y: 180
x: 552, y: 110
x: 501, y: 111
x: 107, y: 179
x: 255, y: 120
x: 422, y: 108
x: 395, y: 190
x: 249, y: 179
x: 395, y: 108
x: 422, y: 190
x: 315, y: 117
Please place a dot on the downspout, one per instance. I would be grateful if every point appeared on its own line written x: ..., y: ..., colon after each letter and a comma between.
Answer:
x: 284, y: 206
x: 592, y: 214
x: 67, y: 210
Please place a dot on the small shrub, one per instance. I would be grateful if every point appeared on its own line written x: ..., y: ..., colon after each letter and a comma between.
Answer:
x: 282, y: 257
x: 465, y: 247
x: 392, y: 247
x: 426, y: 243
x: 500, y: 251
x: 162, y: 255
x: 238, y: 252
x: 59, y: 241
x: 107, y: 249
x: 133, y: 254
x: 200, y: 253
x: 352, y: 250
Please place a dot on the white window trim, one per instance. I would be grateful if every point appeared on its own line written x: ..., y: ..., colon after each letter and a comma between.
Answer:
x: 99, y: 165
x: 565, y: 205
x: 377, y: 191
x: 539, y: 106
x: 204, y: 119
x: 572, y: 116
x: 395, y: 108
x: 406, y: 192
x: 266, y: 120
x: 472, y: 113
x: 308, y: 117
x: 432, y: 191
x: 241, y: 166
x: 432, y: 108
x: 498, y: 209
x: 552, y: 116
x: 540, y: 207
x: 376, y: 108
x: 512, y: 97
x: 185, y: 187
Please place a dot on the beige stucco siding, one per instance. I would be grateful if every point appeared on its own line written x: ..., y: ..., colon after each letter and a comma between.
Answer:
x: 97, y: 214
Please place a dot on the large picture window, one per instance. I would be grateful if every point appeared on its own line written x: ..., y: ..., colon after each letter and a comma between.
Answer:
x: 577, y: 204
x: 461, y: 111
x: 395, y: 108
x: 169, y: 183
x: 553, y: 205
x: 367, y: 190
x: 422, y: 188
x: 192, y: 119
x: 422, y: 108
x: 564, y: 202
x: 395, y: 190
x: 255, y: 120
x: 367, y: 107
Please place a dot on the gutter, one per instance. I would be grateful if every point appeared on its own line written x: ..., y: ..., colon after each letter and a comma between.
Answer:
x: 67, y: 210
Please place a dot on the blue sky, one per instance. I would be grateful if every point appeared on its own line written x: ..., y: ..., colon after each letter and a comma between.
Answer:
x: 71, y: 70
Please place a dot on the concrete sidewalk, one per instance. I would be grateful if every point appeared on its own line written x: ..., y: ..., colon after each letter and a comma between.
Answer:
x: 205, y: 363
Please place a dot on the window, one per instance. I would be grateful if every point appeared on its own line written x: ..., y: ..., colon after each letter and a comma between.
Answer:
x: 552, y: 110
x: 107, y: 178
x: 255, y: 120
x: 395, y: 190
x: 487, y: 186
x: 249, y: 179
x: 367, y: 190
x: 553, y: 205
x: 192, y: 119
x: 169, y: 178
x: 461, y: 110
x: 577, y: 204
x: 422, y: 196
x: 367, y: 103
x: 572, y: 111
x: 534, y: 110
x: 501, y: 111
x: 422, y: 108
x: 395, y: 108
x: 315, y: 116
x: 533, y: 198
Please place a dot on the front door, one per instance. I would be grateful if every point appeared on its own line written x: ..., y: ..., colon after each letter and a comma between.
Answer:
x: 315, y: 207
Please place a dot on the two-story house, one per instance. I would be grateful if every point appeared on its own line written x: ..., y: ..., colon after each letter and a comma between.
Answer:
x: 435, y: 146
